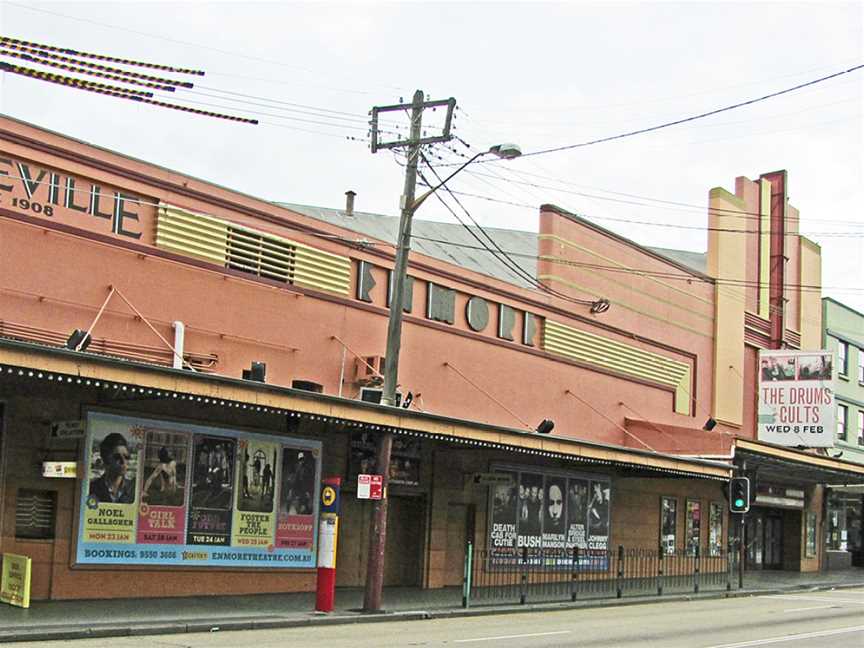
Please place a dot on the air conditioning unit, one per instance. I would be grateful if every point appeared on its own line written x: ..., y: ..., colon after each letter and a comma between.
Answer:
x: 373, y: 395
x: 370, y: 370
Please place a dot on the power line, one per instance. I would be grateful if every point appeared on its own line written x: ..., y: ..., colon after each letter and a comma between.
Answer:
x: 120, y: 93
x: 691, y: 206
x: 668, y: 225
x: 597, y: 306
x: 694, y: 117
x: 99, y: 57
x: 658, y: 274
x: 232, y: 54
x: 94, y: 66
x: 641, y: 102
x: 78, y: 70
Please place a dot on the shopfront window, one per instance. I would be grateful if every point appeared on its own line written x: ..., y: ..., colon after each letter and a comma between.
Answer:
x: 715, y: 529
x: 668, y: 524
x: 836, y: 530
x: 810, y: 548
x: 693, y: 532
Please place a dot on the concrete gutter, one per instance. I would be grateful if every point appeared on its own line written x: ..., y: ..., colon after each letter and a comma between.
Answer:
x: 59, y: 632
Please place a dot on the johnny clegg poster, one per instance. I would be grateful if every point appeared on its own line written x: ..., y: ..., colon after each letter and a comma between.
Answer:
x: 158, y: 492
x: 549, y: 513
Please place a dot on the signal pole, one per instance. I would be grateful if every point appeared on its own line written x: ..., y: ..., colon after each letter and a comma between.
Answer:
x: 378, y: 539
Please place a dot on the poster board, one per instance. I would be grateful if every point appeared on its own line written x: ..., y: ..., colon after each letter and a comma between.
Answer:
x: 158, y: 492
x: 796, y: 398
x: 15, y: 580
x: 550, y: 513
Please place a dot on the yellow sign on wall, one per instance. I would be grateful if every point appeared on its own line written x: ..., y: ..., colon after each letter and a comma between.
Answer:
x: 15, y: 582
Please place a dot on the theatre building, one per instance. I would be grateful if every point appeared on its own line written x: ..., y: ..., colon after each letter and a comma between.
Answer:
x: 181, y: 364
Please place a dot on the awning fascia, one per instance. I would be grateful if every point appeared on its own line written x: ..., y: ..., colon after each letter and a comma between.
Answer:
x: 27, y: 359
x: 828, y: 466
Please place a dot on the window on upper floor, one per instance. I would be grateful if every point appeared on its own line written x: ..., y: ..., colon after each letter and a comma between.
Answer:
x: 861, y: 366
x: 861, y: 427
x: 842, y: 358
x: 842, y: 413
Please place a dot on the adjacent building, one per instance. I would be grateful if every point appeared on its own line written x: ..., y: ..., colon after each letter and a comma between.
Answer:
x: 843, y: 334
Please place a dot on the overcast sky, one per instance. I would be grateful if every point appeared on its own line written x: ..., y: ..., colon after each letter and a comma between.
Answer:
x: 541, y: 75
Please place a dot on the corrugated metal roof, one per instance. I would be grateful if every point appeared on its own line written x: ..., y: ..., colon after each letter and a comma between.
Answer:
x: 447, y: 242
x: 452, y: 243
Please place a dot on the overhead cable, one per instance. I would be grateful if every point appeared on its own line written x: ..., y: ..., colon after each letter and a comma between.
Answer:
x: 96, y: 66
x: 101, y: 57
x: 684, y: 120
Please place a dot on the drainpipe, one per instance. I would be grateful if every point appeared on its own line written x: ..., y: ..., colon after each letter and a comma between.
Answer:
x: 179, y: 337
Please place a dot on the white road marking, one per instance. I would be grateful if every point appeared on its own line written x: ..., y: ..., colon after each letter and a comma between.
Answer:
x: 519, y: 636
x: 794, y: 637
x: 815, y: 607
x: 826, y: 599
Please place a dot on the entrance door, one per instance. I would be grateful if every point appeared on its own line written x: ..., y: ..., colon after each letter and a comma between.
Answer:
x: 406, y: 526
x: 773, y: 542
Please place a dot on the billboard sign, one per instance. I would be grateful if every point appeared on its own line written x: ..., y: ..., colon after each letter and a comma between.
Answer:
x: 549, y: 513
x: 163, y: 493
x: 796, y: 398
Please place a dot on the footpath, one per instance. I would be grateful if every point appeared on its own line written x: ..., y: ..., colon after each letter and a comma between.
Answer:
x: 64, y: 620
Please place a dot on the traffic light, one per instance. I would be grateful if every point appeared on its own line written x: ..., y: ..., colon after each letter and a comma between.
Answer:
x: 739, y: 495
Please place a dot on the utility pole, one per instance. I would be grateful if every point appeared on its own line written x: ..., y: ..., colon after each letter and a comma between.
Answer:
x: 378, y: 540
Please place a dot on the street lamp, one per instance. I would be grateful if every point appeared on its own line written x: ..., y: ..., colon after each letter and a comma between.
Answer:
x: 503, y: 151
x: 403, y: 247
x: 378, y: 539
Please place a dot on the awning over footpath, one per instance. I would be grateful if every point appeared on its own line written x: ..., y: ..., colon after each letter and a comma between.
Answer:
x: 771, y: 462
x: 25, y: 360
x: 782, y: 464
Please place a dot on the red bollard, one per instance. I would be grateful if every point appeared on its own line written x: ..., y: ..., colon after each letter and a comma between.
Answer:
x: 328, y: 536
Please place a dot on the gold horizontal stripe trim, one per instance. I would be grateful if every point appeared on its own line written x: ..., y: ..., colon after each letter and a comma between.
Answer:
x: 621, y: 358
x: 191, y: 234
x: 591, y: 342
x: 610, y: 354
x: 622, y: 364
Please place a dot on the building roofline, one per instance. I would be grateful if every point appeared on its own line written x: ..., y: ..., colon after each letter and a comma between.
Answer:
x: 626, y: 241
x: 842, y: 305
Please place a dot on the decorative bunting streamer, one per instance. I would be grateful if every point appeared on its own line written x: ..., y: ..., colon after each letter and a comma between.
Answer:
x: 92, y: 86
x: 100, y: 57
x: 72, y: 82
x: 95, y: 66
x: 72, y: 68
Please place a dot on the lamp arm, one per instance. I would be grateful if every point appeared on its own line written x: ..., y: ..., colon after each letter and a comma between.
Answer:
x: 425, y: 195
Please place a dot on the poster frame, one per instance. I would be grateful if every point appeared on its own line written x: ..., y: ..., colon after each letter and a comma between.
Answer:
x: 279, y: 437
x: 590, y: 564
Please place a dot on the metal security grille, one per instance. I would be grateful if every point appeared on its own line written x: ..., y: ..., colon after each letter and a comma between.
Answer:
x: 260, y: 255
x: 34, y: 514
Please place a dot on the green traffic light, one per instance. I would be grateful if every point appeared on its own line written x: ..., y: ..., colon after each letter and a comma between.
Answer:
x: 739, y: 502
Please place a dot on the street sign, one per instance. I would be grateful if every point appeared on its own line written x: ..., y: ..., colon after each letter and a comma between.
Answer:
x: 370, y: 487
x: 67, y: 430
x: 491, y: 479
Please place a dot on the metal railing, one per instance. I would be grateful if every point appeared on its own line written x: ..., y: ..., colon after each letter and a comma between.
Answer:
x: 524, y: 575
